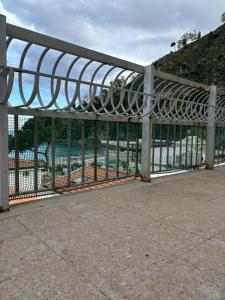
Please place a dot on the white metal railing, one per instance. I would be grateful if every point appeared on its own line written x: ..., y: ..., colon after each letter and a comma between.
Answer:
x: 82, y: 81
x: 50, y: 77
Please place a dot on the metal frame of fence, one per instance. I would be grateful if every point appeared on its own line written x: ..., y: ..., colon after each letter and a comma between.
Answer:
x: 75, y: 157
x: 116, y: 91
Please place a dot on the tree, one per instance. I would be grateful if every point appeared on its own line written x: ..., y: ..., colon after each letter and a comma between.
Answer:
x: 173, y: 45
x: 199, y: 35
x: 115, y: 90
x: 188, y: 37
x: 223, y: 18
x: 44, y: 134
x: 11, y: 142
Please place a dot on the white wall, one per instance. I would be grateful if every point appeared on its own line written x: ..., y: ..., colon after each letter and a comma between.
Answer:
x: 26, y: 179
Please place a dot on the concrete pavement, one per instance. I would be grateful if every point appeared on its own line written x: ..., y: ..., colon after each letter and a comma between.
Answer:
x: 159, y: 240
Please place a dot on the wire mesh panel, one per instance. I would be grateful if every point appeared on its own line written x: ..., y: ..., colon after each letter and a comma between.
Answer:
x: 29, y: 157
x: 85, y: 113
x: 220, y: 145
x: 62, y: 152
x: 177, y: 147
x: 54, y: 154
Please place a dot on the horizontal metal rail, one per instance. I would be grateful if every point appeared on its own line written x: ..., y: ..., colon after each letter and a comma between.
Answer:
x: 60, y: 85
x: 30, y: 36
x: 170, y: 100
x: 68, y: 154
x: 114, y: 87
x: 180, y: 80
x: 71, y: 115
x: 104, y: 88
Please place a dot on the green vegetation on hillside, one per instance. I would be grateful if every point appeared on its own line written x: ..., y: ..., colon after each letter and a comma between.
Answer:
x: 202, y: 60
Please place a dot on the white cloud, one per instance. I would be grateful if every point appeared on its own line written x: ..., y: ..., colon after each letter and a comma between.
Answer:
x: 11, y: 17
x: 140, y: 31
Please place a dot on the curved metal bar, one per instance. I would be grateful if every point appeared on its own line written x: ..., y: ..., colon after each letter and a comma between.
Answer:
x: 40, y: 61
x: 172, y: 105
x: 164, y: 96
x: 26, y: 102
x: 9, y: 40
x: 71, y: 104
x: 91, y: 84
x: 54, y: 70
x: 80, y: 78
x: 122, y: 94
x: 104, y: 104
x: 172, y: 99
x: 131, y: 102
x: 184, y: 104
x: 54, y: 95
x: 9, y: 87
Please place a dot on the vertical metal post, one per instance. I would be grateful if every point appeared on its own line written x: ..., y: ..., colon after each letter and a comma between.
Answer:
x: 167, y: 146
x: 153, y: 131
x: 83, y: 151
x: 210, y: 140
x: 16, y: 133
x: 202, y: 136
x: 186, y: 149
x: 160, y: 148
x: 107, y: 152
x: 147, y: 126
x: 181, y: 148
x: 4, y: 161
x: 53, y: 154
x: 132, y: 152
x: 35, y: 133
x: 69, y: 138
x: 222, y: 143
x: 196, y: 149
x: 192, y: 133
x: 117, y: 150
x: 128, y: 147
x: 95, y: 151
x: 220, y: 146
x: 136, y: 150
x: 174, y: 146
x: 217, y: 145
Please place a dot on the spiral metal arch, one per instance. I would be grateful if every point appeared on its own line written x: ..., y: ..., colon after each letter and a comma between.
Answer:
x: 110, y: 90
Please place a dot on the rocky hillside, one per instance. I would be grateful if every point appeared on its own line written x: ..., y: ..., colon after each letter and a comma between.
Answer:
x: 202, y: 60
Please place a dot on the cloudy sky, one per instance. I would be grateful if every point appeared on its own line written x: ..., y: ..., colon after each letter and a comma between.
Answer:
x: 136, y: 30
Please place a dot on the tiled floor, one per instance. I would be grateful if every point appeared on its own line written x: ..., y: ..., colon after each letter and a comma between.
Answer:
x: 159, y: 240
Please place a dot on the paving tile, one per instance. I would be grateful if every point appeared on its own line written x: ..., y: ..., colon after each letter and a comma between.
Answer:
x: 114, y: 220
x: 207, y: 259
x: 163, y: 240
x: 153, y: 202
x: 161, y: 207
x: 204, y: 188
x: 87, y: 206
x: 10, y: 228
x: 139, y: 257
x: 118, y: 257
x: 45, y: 217
x: 177, y: 282
x: 205, y: 219
x: 99, y: 256
x: 198, y: 273
x: 51, y: 279
x: 219, y: 237
x: 19, y: 254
